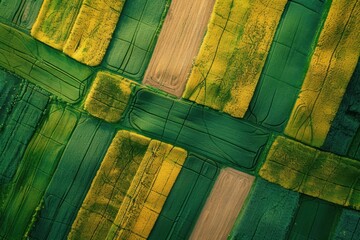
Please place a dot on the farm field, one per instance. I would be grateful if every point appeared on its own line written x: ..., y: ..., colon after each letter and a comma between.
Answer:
x: 175, y: 119
x: 173, y: 55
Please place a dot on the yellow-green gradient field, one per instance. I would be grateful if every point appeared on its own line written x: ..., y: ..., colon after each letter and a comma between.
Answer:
x: 331, y: 67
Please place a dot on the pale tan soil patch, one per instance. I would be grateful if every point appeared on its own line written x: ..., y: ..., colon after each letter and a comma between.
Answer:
x: 178, y: 44
x: 223, y: 205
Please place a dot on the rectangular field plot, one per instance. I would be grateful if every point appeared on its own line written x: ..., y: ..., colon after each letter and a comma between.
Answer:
x: 135, y: 36
x: 129, y: 190
x: 22, y: 195
x: 108, y: 96
x: 267, y: 214
x: 178, y: 44
x: 314, y: 219
x: 223, y: 205
x: 227, y: 140
x: 348, y: 226
x: 344, y: 134
x: 186, y: 199
x: 20, y: 12
x: 10, y: 85
x: 232, y: 55
x: 331, y: 67
x: 72, y: 178
x: 20, y: 125
x: 41, y: 65
x: 286, y: 64
x: 308, y: 170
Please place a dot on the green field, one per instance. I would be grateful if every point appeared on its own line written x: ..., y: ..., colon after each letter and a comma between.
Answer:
x: 22, y: 195
x: 344, y: 134
x: 286, y: 65
x: 267, y: 213
x: 21, y: 117
x: 135, y: 37
x: 263, y: 144
x: 348, y: 227
x: 22, y: 13
x: 314, y: 219
x: 186, y: 199
x: 72, y: 178
x: 9, y: 86
x: 204, y: 131
x: 42, y: 65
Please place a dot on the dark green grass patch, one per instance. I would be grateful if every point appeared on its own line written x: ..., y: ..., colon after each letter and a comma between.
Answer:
x: 42, y: 65
x: 28, y: 108
x: 286, y: 64
x: 344, y: 135
x: 267, y: 214
x: 314, y: 219
x: 22, y: 13
x: 225, y: 139
x: 135, y: 37
x: 72, y: 178
x: 21, y: 196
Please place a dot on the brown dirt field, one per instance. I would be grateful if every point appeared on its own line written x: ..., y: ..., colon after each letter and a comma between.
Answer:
x: 223, y: 205
x: 172, y: 59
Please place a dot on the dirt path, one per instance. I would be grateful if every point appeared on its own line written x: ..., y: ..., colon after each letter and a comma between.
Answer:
x: 178, y: 44
x: 223, y: 205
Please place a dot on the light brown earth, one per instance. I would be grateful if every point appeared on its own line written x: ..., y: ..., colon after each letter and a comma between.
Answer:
x: 223, y: 205
x: 172, y: 59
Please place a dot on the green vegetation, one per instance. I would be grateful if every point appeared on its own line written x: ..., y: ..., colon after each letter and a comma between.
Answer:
x: 186, y: 199
x: 41, y: 65
x: 135, y: 37
x: 10, y: 85
x: 72, y: 178
x: 24, y: 113
x: 227, y: 140
x: 314, y: 219
x: 21, y: 196
x: 267, y: 214
x: 20, y: 12
x: 307, y: 170
x: 344, y: 134
x: 287, y: 62
x: 348, y: 227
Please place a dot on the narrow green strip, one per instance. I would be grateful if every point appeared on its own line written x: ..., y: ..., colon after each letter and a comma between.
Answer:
x: 41, y: 65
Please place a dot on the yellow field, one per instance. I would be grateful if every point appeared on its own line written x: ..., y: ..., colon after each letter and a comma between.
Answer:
x: 307, y: 170
x: 82, y: 29
x: 151, y: 185
x: 331, y: 68
x: 129, y: 190
x: 233, y: 53
x: 108, y: 96
x: 55, y: 20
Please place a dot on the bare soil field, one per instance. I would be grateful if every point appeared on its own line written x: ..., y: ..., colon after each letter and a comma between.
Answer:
x: 223, y: 205
x: 174, y: 53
